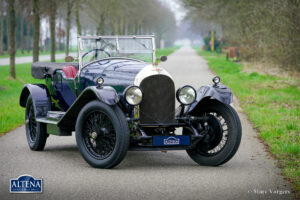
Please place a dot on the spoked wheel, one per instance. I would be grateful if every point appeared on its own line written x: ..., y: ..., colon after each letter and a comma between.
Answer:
x: 35, y: 132
x: 99, y: 135
x: 224, y: 134
x: 102, y: 134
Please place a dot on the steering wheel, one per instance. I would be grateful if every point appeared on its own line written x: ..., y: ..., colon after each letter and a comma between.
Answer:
x: 96, y: 52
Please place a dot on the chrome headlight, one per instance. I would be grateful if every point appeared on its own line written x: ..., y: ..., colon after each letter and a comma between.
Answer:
x: 100, y: 81
x: 186, y: 95
x: 133, y: 95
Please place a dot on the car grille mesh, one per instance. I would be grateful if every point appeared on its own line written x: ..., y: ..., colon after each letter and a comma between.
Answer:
x: 158, y: 103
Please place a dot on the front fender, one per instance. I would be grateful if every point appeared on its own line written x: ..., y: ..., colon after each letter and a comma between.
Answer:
x: 106, y: 94
x: 40, y: 98
x: 221, y: 93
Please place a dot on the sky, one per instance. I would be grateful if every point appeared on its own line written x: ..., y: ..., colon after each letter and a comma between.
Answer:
x: 177, y: 9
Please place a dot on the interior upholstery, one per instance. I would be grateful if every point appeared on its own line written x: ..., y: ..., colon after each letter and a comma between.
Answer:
x: 70, y: 71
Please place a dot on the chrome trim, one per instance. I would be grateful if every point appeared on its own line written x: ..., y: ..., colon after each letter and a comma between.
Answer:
x: 114, y: 36
x: 125, y: 93
x: 79, y: 46
x: 153, y: 51
x: 179, y: 90
x: 46, y: 121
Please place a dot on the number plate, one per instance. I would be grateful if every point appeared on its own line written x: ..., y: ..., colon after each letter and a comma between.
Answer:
x: 178, y: 140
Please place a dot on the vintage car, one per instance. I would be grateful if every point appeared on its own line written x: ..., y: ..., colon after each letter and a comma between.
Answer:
x: 117, y: 98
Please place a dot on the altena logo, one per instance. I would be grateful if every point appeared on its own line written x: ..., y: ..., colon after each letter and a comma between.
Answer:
x: 26, y: 184
x: 171, y: 141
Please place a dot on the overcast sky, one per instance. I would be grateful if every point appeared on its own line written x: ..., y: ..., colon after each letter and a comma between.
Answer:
x: 175, y: 6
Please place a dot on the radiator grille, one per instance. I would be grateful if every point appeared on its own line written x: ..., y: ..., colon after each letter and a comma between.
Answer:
x: 158, y: 103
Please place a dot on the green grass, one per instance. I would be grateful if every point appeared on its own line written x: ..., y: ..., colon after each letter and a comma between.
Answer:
x: 166, y: 51
x: 159, y: 52
x: 11, y: 114
x: 25, y: 53
x: 272, y: 104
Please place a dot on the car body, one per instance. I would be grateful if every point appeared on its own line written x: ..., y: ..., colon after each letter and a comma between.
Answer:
x: 117, y: 98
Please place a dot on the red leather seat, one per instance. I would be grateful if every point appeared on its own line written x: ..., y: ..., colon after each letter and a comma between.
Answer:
x: 70, y: 71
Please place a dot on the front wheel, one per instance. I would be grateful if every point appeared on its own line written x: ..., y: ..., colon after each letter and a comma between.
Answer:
x: 224, y: 134
x: 102, y: 134
x: 36, y: 132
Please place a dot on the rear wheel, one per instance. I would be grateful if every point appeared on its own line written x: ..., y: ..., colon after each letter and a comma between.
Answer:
x: 102, y: 134
x: 36, y: 132
x: 224, y: 134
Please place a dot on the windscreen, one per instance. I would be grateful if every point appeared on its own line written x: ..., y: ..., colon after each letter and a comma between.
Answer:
x: 99, y: 48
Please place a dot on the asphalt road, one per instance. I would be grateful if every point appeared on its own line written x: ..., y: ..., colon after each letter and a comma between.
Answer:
x: 251, y: 174
x: 28, y: 59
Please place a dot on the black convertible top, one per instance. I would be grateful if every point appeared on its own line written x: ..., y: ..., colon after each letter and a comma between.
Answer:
x: 39, y: 69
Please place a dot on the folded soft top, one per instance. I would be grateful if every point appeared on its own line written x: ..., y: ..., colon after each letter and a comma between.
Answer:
x: 39, y: 69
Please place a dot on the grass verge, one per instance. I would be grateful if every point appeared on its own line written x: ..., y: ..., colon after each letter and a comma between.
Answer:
x: 272, y: 104
x: 11, y: 113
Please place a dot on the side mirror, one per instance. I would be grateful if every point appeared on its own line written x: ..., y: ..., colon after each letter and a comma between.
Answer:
x: 163, y: 58
x: 69, y: 59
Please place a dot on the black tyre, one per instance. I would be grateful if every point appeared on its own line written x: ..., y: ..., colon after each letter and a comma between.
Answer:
x: 223, y: 138
x: 36, y: 132
x: 102, y: 134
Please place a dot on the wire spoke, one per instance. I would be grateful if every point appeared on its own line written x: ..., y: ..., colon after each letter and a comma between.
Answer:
x: 99, y: 135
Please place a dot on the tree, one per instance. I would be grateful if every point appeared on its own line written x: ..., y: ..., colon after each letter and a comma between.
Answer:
x: 28, y: 30
x: 36, y: 36
x: 68, y: 25
x: 12, y: 50
x: 267, y: 31
x: 22, y: 32
x: 77, y: 5
x: 1, y: 25
x: 52, y: 19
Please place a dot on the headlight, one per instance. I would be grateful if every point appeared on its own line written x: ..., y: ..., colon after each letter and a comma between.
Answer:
x: 100, y: 81
x: 133, y: 95
x: 216, y: 80
x: 186, y: 95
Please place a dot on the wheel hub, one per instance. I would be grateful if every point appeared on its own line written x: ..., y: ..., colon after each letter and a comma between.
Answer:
x: 94, y: 135
x: 215, y: 132
x: 99, y: 135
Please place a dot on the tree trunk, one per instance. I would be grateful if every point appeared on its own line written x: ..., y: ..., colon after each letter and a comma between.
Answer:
x: 28, y: 38
x: 136, y: 28
x: 123, y: 24
x: 36, y: 36
x: 112, y: 28
x: 68, y: 23
x: 77, y: 17
x: 59, y: 35
x: 1, y: 27
x: 12, y: 51
x: 21, y: 33
x: 52, y: 29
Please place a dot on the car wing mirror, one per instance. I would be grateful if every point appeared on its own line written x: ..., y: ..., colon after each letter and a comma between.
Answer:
x: 69, y: 59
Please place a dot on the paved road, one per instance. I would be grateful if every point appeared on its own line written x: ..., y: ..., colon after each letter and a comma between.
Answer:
x: 144, y: 175
x: 28, y: 59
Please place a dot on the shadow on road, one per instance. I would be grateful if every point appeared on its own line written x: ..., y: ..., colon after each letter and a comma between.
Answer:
x: 134, y: 159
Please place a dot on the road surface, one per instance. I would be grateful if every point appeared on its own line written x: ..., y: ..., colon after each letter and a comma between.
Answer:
x: 251, y: 174
x: 28, y: 59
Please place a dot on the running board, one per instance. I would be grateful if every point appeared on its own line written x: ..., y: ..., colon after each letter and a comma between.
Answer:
x: 46, y: 121
x: 51, y: 121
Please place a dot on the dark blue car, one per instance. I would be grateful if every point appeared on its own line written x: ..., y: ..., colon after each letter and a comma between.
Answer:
x: 116, y: 98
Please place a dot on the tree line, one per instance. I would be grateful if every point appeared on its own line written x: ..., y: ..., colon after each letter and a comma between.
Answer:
x: 264, y: 30
x: 20, y: 23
